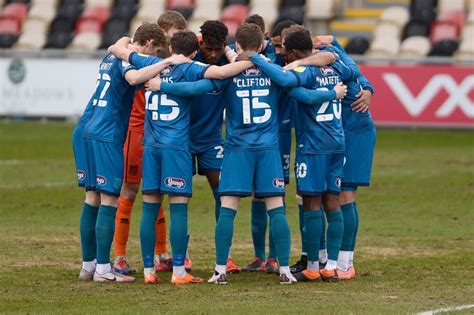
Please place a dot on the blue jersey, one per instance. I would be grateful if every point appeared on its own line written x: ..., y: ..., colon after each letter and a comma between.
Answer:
x: 112, y: 102
x: 251, y: 111
x: 206, y: 115
x: 86, y: 115
x: 167, y: 116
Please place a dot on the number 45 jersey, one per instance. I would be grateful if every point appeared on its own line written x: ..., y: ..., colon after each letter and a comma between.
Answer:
x: 112, y: 102
x: 251, y: 111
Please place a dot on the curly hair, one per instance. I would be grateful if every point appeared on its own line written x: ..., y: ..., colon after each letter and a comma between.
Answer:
x: 299, y: 40
x: 214, y: 33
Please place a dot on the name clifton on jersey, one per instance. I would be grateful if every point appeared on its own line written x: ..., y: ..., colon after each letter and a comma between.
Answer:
x: 251, y: 82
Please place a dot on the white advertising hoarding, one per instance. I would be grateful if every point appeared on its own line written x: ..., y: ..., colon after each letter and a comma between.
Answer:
x: 46, y: 87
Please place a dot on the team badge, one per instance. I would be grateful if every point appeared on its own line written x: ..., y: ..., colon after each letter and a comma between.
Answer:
x: 81, y: 175
x: 279, y: 183
x: 174, y: 182
x: 100, y: 180
x: 326, y: 71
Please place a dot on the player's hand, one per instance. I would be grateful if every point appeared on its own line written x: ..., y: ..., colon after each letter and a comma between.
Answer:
x: 340, y: 90
x: 363, y: 102
x: 178, y: 59
x: 153, y: 84
x: 292, y: 65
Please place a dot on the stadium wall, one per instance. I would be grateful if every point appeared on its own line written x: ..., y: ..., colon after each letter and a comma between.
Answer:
x: 407, y: 95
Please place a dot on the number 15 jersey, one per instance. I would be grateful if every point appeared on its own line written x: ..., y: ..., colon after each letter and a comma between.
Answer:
x: 251, y: 111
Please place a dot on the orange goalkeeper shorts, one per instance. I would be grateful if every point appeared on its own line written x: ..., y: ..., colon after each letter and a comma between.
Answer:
x: 133, y: 156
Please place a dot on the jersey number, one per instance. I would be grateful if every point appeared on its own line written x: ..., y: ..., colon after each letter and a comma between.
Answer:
x: 106, y: 78
x: 152, y: 104
x: 254, y: 104
x: 336, y: 108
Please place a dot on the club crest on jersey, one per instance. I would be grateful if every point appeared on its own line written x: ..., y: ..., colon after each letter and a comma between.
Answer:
x: 279, y: 183
x: 100, y: 180
x: 81, y: 175
x: 326, y: 71
x: 338, y: 182
x: 252, y: 72
x: 173, y: 182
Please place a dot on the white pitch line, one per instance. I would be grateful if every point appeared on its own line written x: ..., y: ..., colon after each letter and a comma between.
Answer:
x: 448, y: 309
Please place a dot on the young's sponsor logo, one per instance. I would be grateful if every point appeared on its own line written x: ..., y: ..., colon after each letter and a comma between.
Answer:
x: 326, y: 71
x: 252, y: 72
x: 100, y: 180
x: 338, y: 182
x: 279, y: 183
x: 173, y: 182
x: 81, y: 175
x: 166, y: 71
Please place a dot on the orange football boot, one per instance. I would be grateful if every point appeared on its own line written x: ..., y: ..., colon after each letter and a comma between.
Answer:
x: 232, y: 266
x: 328, y: 274
x: 151, y: 278
x: 186, y: 279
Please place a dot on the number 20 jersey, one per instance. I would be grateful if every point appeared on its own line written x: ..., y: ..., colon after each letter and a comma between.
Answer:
x: 112, y: 102
x: 251, y: 111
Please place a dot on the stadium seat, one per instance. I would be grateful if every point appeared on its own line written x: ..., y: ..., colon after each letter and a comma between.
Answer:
x: 98, y: 3
x: 52, y: 3
x: 9, y: 25
x: 236, y: 13
x: 415, y: 46
x: 85, y: 41
x: 150, y: 12
x: 207, y: 10
x: 185, y: 12
x: 384, y: 46
x: 396, y: 15
x: 468, y: 31
x: 267, y: 9
x: 125, y: 11
x: 126, y: 3
x: 467, y: 46
x: 444, y: 48
x: 442, y: 31
x: 232, y: 26
x: 173, y: 4
x: 294, y: 13
x: 423, y: 10
x: 455, y: 17
x: 470, y: 16
x: 387, y: 30
x: 35, y: 25
x: 58, y: 40
x: 101, y: 14
x: 7, y: 40
x: 70, y: 11
x: 235, y: 2
x: 61, y: 24
x: 320, y: 10
x: 194, y: 25
x: 136, y: 22
x: 285, y: 3
x: 31, y: 40
x: 43, y: 11
x: 357, y: 45
x: 449, y: 5
x: 18, y: 11
x: 88, y: 25
x: 71, y: 2
x: 416, y: 28
x: 114, y: 29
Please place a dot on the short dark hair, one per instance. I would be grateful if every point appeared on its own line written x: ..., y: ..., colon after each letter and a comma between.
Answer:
x: 148, y: 31
x: 184, y: 42
x: 249, y: 36
x: 256, y: 19
x: 214, y: 33
x: 171, y: 19
x: 279, y: 27
x: 299, y: 40
x: 294, y: 28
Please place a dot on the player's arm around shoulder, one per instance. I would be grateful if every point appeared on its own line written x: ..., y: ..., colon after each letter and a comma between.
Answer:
x: 317, y: 97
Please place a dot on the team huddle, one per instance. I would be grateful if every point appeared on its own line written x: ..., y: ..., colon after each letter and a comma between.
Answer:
x: 156, y: 118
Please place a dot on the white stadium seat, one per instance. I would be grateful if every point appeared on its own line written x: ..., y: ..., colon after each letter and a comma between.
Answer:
x: 415, y: 46
x: 395, y: 15
x: 85, y: 41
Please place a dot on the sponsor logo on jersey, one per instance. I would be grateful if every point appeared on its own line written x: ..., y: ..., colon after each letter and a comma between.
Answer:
x: 338, y: 182
x: 100, y: 180
x: 81, y: 175
x: 252, y: 72
x: 279, y: 183
x: 327, y: 71
x: 166, y: 71
x: 173, y: 182
x: 299, y: 69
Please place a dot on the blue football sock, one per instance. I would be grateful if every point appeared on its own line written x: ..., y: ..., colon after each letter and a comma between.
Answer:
x: 179, y: 232
x: 87, y: 229
x: 301, y: 221
x: 313, y: 229
x: 217, y: 200
x: 349, y: 226
x: 223, y: 235
x: 356, y: 216
x: 334, y: 233
x: 272, y: 253
x: 148, y: 232
x: 259, y: 228
x: 104, y: 233
x: 281, y: 234
x: 322, y: 243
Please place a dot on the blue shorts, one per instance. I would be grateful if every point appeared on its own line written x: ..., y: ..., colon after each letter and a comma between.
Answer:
x: 258, y: 171
x: 167, y: 171
x: 285, y: 152
x: 79, y: 149
x: 358, y: 158
x: 104, y: 162
x: 209, y: 159
x: 317, y: 174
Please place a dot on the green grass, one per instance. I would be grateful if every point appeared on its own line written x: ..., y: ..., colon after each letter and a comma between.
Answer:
x: 415, y: 247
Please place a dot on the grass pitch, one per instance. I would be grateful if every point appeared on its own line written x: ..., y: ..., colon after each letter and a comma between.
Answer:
x: 415, y: 248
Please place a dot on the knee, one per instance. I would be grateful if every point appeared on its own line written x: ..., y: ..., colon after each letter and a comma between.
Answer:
x: 92, y: 198
x: 347, y: 197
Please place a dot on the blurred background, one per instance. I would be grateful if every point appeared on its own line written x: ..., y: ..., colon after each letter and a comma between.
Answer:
x: 419, y: 54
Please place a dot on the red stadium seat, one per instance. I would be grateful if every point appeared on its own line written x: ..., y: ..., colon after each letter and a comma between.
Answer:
x: 9, y: 25
x: 172, y: 4
x: 441, y: 30
x: 236, y: 13
x: 89, y: 26
x: 232, y: 26
x: 455, y: 17
x: 16, y: 10
x: 101, y: 14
